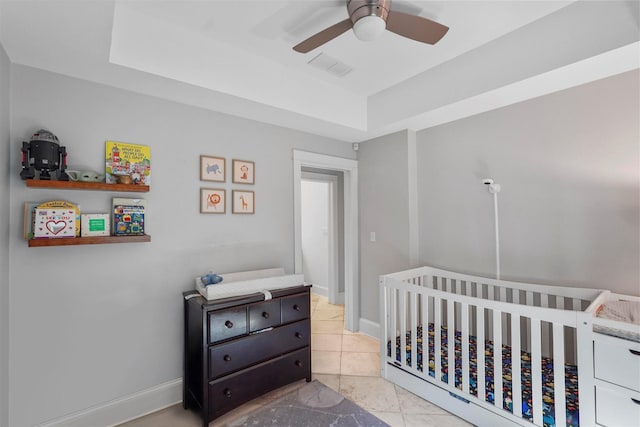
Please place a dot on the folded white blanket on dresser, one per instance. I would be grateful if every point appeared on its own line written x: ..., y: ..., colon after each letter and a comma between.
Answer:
x: 248, y: 282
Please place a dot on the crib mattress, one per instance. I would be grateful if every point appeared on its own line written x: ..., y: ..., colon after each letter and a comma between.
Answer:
x: 571, y: 374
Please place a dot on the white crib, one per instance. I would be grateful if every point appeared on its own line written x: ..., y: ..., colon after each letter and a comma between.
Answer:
x: 551, y: 327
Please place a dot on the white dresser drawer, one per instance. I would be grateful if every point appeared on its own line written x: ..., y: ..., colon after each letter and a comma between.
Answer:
x: 616, y: 406
x: 617, y: 361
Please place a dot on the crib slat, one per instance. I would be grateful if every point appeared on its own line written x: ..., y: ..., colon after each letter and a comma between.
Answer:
x: 516, y: 370
x: 437, y: 343
x: 427, y: 281
x: 497, y: 358
x: 544, y: 300
x: 558, y: 375
x: 413, y: 299
x: 480, y: 349
x: 529, y: 295
x: 393, y: 301
x: 451, y: 344
x: 560, y: 302
x: 536, y: 372
x: 425, y: 335
x: 577, y: 304
x: 503, y: 293
x: 516, y: 296
x: 464, y: 332
x: 403, y: 328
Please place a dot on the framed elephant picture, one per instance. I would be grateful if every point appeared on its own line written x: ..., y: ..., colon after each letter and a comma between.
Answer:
x: 212, y: 169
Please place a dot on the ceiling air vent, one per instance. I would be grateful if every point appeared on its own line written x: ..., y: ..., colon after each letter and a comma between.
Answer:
x: 330, y: 65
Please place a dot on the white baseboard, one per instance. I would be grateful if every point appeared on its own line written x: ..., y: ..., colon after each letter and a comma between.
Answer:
x: 123, y: 409
x: 319, y: 290
x: 369, y: 328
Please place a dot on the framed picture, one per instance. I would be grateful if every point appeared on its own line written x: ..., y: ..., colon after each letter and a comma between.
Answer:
x: 212, y: 169
x: 243, y: 202
x: 244, y: 172
x: 213, y: 200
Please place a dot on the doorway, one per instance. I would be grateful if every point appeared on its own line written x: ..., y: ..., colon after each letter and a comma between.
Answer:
x: 349, y: 258
x: 322, y: 234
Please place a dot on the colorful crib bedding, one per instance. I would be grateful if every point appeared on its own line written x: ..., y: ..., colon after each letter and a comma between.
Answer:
x: 571, y: 374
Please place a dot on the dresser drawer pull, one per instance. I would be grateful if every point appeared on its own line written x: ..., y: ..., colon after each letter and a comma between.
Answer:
x: 298, y: 363
x: 296, y: 307
x: 635, y: 352
x: 226, y: 358
x: 227, y: 392
x: 228, y: 324
x: 265, y: 314
x: 298, y: 335
x: 636, y: 401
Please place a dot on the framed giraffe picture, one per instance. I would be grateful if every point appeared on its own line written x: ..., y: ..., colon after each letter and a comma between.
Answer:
x: 243, y: 202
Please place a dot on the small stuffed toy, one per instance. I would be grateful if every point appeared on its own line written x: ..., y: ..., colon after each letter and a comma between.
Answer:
x: 210, y: 279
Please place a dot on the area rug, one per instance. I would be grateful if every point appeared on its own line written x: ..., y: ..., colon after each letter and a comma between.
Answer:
x: 312, y: 405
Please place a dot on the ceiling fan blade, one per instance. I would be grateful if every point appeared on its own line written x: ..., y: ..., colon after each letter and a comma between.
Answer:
x: 323, y: 36
x: 415, y: 27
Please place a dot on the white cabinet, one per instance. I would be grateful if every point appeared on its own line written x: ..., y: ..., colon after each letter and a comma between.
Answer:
x: 617, y: 378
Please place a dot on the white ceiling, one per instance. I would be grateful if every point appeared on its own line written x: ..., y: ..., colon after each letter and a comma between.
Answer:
x: 236, y: 57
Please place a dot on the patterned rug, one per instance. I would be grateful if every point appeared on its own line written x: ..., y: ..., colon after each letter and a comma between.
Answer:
x: 312, y: 405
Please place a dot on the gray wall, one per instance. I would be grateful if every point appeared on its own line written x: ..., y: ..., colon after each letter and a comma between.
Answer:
x: 108, y: 317
x: 4, y: 236
x: 569, y: 206
x: 383, y: 200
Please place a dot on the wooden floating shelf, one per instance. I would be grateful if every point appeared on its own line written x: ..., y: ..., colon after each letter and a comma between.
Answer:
x: 98, y: 240
x: 80, y: 185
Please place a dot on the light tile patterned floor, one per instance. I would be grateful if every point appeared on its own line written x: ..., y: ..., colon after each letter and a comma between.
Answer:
x: 347, y: 362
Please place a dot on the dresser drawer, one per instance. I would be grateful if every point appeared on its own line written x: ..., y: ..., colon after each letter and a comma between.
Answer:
x: 233, y: 390
x: 264, y: 315
x: 617, y: 361
x: 229, y: 323
x: 617, y: 406
x: 244, y: 352
x: 295, y: 307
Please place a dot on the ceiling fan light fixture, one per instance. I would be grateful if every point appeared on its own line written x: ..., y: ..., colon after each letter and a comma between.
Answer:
x: 369, y: 27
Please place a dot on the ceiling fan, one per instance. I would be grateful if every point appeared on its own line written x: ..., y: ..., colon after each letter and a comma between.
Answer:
x: 369, y: 18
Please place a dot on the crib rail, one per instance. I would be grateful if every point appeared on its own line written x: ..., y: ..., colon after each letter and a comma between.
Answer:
x: 459, y: 311
x: 564, y: 298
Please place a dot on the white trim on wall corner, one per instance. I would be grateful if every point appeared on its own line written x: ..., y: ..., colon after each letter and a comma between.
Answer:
x: 123, y: 409
x: 412, y: 188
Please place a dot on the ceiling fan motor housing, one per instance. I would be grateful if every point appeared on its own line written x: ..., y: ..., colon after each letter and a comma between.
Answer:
x: 361, y: 8
x: 369, y: 17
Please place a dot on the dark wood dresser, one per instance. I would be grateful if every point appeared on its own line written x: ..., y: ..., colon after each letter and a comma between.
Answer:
x: 236, y: 349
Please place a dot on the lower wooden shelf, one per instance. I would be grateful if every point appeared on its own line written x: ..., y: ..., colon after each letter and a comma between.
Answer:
x: 70, y: 241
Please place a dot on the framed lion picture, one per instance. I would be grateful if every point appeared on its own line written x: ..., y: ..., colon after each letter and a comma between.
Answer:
x: 213, y: 200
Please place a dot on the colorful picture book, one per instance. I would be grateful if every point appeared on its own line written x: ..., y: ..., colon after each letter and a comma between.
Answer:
x: 128, y: 216
x: 55, y: 219
x: 130, y: 160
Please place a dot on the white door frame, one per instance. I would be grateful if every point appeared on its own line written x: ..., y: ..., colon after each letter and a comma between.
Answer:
x: 349, y: 167
x: 332, y: 233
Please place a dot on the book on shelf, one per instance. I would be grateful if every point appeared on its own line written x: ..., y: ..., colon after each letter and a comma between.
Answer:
x: 128, y: 216
x: 127, y: 160
x: 54, y: 219
x: 29, y: 219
